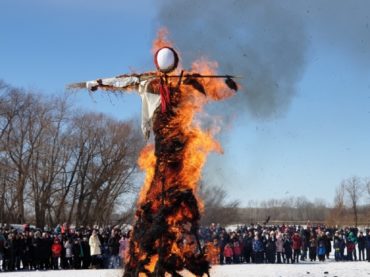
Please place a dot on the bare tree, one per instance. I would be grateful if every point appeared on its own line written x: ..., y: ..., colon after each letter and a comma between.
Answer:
x: 354, y: 188
x: 59, y: 168
x: 21, y: 140
x: 216, y: 207
x: 48, y: 161
x: 100, y: 168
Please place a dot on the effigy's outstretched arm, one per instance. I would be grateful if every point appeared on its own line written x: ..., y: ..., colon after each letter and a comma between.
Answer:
x: 119, y: 83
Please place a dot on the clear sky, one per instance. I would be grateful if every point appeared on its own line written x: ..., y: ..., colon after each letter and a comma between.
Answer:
x: 304, y: 122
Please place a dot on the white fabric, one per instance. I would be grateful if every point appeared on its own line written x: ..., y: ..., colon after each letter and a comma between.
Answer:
x: 120, y: 82
x: 150, y: 101
x: 165, y: 59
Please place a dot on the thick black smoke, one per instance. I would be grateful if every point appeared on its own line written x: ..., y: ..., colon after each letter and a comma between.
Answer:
x: 260, y: 40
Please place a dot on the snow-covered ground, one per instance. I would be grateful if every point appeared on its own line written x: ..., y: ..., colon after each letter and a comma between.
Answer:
x: 325, y: 269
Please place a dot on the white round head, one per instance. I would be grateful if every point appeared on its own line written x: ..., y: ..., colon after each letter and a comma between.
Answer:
x: 166, y: 59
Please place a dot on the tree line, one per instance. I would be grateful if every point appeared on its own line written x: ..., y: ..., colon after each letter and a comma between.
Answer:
x: 350, y: 206
x: 58, y: 165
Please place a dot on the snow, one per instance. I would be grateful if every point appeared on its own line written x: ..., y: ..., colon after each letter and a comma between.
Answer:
x: 307, y: 269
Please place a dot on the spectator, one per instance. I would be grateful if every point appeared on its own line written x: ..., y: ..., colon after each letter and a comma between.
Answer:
x: 297, y: 244
x: 367, y: 245
x: 45, y: 248
x: 113, y: 244
x: 222, y: 244
x: 321, y: 247
x: 288, y: 252
x: 327, y: 240
x: 2, y: 243
x: 237, y: 251
x: 77, y: 253
x: 228, y: 253
x: 338, y: 247
x: 270, y: 247
x: 123, y: 246
x: 56, y: 250
x: 9, y: 253
x: 361, y: 246
x: 351, y: 246
x: 258, y: 251
x: 247, y: 246
x: 18, y: 249
x: 312, y: 250
x: 95, y: 250
x: 68, y: 245
x: 86, y: 258
x: 27, y: 260
x: 37, y: 248
x: 279, y: 247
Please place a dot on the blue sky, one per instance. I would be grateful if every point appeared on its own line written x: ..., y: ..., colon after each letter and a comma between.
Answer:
x: 320, y: 136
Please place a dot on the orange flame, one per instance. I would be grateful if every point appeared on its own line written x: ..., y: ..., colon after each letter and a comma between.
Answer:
x: 199, y: 144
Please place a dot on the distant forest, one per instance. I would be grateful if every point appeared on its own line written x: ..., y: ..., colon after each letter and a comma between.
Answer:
x: 58, y: 164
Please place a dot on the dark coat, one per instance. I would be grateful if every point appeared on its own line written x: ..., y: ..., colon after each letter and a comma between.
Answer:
x: 361, y: 242
x: 288, y: 248
x: 113, y: 244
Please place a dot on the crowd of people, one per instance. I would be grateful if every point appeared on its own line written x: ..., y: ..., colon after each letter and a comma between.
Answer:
x: 83, y: 248
x: 61, y: 248
x: 285, y: 244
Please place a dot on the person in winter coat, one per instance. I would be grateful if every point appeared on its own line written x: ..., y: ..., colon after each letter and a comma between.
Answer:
x: 367, y: 246
x: 228, y: 253
x: 351, y: 246
x: 312, y: 249
x: 105, y: 253
x: 288, y: 252
x: 297, y: 244
x: 258, y: 249
x: 37, y: 248
x: 95, y: 250
x: 327, y: 238
x: 123, y: 246
x: 337, y: 243
x: 45, y: 248
x: 2, y: 243
x: 56, y: 252
x: 18, y: 249
x: 9, y: 261
x: 247, y: 246
x: 236, y: 251
x: 27, y: 259
x: 279, y: 247
x: 321, y: 247
x: 86, y: 259
x: 222, y: 243
x: 361, y: 246
x: 270, y: 247
x: 68, y: 245
x: 113, y: 246
x: 77, y: 253
x: 305, y: 235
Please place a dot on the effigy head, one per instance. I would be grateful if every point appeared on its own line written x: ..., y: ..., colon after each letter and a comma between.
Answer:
x: 166, y: 59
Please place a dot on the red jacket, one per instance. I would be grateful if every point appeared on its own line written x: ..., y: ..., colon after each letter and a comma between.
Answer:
x: 297, y: 242
x: 237, y: 248
x: 228, y: 251
x: 56, y: 249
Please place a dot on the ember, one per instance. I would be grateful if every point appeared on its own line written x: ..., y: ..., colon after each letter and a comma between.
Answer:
x: 164, y: 238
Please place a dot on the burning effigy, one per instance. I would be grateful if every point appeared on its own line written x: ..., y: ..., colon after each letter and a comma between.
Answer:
x: 164, y: 239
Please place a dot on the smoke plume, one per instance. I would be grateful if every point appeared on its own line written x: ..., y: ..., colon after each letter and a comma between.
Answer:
x: 261, y: 41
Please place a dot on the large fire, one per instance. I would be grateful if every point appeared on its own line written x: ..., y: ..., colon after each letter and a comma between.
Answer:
x: 164, y: 238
